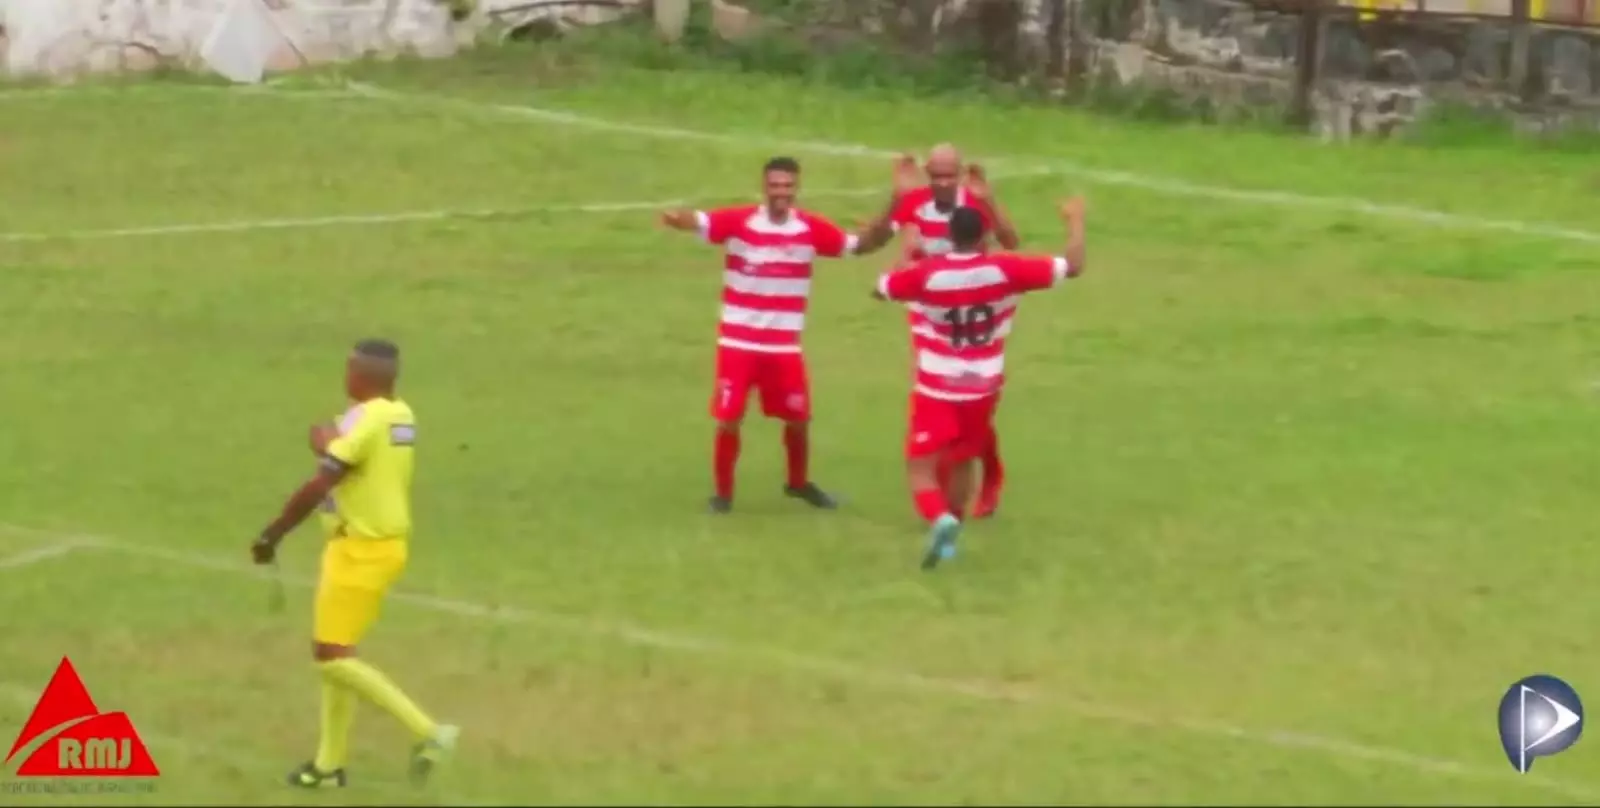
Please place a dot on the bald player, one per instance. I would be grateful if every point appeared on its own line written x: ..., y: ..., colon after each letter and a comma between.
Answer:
x: 363, y: 483
x: 922, y: 217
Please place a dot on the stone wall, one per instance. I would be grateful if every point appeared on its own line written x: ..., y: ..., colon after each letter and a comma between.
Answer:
x: 1376, y: 75
x: 1565, y: 62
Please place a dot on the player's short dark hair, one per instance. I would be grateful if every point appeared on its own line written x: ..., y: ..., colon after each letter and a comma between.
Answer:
x: 966, y: 227
x: 787, y: 165
x: 375, y: 348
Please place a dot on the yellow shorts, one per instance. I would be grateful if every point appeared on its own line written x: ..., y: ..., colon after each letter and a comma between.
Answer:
x: 356, y: 574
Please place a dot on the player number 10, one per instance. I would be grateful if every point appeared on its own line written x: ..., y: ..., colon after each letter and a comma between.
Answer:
x: 970, y: 326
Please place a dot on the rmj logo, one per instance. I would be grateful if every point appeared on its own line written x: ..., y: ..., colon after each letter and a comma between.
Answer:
x: 74, y: 739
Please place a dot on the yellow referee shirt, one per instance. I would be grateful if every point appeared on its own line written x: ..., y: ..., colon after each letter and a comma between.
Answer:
x: 375, y: 445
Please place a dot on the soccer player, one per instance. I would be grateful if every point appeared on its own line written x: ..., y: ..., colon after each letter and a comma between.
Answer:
x: 922, y: 215
x: 363, y: 483
x: 967, y: 299
x: 766, y: 283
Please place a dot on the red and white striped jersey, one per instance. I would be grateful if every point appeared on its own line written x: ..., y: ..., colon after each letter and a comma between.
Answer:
x: 766, y: 279
x: 917, y: 209
x: 965, y: 304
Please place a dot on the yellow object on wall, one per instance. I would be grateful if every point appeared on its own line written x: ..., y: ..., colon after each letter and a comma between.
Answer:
x: 1540, y: 10
x: 1369, y: 8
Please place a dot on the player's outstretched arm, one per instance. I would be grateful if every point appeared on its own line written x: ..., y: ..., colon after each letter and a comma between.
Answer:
x: 877, y: 234
x: 299, y: 506
x: 907, y: 176
x: 1072, y: 213
x: 681, y: 219
x: 977, y: 185
x: 899, y: 284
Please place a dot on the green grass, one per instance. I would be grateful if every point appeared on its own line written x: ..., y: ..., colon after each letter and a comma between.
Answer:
x: 1296, y: 492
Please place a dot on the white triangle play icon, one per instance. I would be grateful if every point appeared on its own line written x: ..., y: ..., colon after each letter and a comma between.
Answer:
x: 1565, y: 718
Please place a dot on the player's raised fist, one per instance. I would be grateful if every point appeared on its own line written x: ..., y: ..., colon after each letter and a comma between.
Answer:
x: 976, y: 182
x: 1073, y: 208
x: 679, y: 219
x: 906, y: 174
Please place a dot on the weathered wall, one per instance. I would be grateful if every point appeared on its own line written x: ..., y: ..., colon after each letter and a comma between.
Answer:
x: 1472, y: 54
x: 1376, y: 75
x: 64, y: 38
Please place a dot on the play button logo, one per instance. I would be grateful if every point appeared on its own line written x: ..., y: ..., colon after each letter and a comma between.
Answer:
x: 1539, y: 717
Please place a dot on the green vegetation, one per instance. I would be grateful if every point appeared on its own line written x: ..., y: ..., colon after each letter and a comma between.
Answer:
x: 1450, y: 125
x: 846, y: 59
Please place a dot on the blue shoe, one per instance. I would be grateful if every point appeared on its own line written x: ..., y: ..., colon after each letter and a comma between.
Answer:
x: 941, y: 541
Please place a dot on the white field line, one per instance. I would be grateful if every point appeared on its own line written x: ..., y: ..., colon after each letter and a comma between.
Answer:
x: 340, y: 220
x: 28, y: 558
x: 1149, y: 182
x: 404, y: 217
x: 847, y: 671
x: 1154, y: 183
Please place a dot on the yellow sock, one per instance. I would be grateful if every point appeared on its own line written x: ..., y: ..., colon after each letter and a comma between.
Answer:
x: 371, y: 684
x: 338, y: 713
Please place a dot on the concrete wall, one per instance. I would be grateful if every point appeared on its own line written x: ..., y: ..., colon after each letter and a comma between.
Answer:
x: 64, y: 38
x: 1377, y: 76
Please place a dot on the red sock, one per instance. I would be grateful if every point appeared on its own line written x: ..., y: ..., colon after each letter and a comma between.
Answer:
x: 931, y: 503
x: 797, y: 447
x: 726, y: 457
x: 993, y: 472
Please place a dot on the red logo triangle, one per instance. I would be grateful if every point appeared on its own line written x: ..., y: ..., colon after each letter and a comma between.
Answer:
x: 63, y: 700
x: 87, y: 743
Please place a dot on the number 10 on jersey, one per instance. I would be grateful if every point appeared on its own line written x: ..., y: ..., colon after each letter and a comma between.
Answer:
x: 970, y: 326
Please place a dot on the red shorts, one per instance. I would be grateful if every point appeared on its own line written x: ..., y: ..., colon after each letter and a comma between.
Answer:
x: 779, y: 377
x: 959, y: 429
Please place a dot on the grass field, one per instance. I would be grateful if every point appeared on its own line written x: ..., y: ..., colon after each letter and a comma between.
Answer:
x: 1298, y: 486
